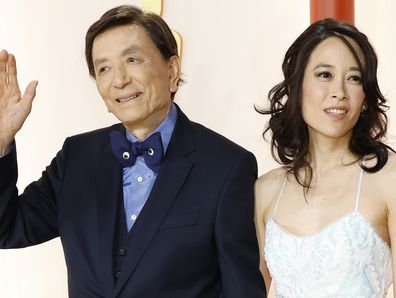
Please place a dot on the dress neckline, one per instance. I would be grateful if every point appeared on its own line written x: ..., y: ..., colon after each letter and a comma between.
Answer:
x: 328, y: 226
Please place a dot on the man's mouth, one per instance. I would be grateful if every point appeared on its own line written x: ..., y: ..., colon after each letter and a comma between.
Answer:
x: 128, y: 98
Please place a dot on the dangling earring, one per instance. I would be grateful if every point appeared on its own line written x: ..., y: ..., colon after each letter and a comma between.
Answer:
x: 364, y: 108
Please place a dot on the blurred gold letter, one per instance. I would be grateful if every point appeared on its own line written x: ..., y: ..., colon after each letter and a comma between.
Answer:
x: 155, y: 6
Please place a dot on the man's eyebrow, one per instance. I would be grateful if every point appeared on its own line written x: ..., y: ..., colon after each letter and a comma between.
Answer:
x: 132, y: 48
x: 99, y: 61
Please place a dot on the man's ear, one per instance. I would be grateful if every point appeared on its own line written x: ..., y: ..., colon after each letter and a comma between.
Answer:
x: 174, y: 73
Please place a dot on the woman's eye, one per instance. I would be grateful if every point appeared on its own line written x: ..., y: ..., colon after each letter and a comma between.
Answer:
x: 324, y: 75
x: 131, y: 59
x: 355, y: 78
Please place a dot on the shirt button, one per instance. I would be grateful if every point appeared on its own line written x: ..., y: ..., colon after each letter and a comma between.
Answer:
x: 139, y: 179
x: 133, y: 217
x: 122, y: 252
x: 117, y: 274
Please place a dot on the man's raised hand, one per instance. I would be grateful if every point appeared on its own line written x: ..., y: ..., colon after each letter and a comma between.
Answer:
x: 14, y: 107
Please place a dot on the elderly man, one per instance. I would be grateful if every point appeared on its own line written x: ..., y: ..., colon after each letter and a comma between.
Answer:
x: 156, y: 206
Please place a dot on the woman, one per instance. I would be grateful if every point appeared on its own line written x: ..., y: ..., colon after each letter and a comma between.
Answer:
x: 326, y: 218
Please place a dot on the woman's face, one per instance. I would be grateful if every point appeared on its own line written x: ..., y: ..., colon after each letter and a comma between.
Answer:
x: 332, y: 90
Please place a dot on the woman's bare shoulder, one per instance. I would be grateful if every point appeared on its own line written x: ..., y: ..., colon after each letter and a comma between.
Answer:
x: 386, y: 179
x: 267, y: 186
x: 383, y: 181
x: 272, y: 176
x: 390, y: 166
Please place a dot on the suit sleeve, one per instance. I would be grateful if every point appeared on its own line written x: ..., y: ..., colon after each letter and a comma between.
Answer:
x: 31, y: 217
x: 235, y: 232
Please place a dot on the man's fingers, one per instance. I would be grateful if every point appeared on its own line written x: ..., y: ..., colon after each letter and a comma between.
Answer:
x: 30, y: 93
x: 12, y: 73
x: 3, y: 68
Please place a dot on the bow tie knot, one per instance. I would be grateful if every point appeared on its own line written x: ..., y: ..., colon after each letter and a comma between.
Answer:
x: 126, y: 152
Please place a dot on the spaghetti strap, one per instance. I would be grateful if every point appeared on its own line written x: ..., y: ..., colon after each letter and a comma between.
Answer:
x: 280, y: 194
x: 359, y: 189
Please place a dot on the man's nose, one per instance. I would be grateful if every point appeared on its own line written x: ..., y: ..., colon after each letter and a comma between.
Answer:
x: 121, y: 77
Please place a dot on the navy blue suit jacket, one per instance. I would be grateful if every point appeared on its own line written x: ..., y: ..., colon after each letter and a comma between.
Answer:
x: 195, y: 236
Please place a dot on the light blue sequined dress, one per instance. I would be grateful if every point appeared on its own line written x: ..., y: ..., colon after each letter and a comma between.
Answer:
x: 346, y: 259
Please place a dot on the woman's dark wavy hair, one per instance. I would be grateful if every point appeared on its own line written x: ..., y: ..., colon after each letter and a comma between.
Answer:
x: 290, y: 139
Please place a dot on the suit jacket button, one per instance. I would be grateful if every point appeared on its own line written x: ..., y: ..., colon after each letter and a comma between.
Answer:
x: 117, y: 274
x: 122, y: 252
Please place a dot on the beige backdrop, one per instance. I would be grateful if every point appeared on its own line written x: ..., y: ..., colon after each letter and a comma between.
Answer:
x: 232, y: 55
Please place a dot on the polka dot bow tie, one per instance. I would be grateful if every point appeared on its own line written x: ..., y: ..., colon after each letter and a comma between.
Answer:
x: 126, y: 152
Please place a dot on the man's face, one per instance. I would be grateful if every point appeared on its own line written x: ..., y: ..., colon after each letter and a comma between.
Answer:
x: 133, y: 78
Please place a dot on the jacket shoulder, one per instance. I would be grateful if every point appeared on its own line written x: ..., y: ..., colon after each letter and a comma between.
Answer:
x: 90, y: 142
x: 206, y: 137
x: 97, y: 133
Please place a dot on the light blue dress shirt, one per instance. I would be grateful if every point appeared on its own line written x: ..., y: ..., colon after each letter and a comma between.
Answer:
x: 138, y: 180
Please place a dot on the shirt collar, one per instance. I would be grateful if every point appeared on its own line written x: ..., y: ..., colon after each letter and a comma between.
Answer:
x: 166, y: 128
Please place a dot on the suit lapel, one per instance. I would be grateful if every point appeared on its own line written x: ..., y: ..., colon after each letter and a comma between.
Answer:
x: 109, y: 191
x: 173, y: 172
